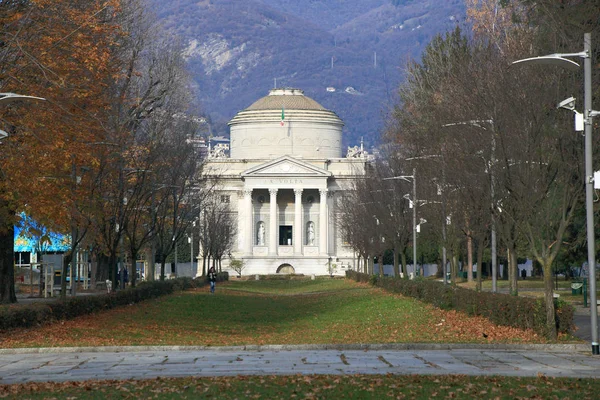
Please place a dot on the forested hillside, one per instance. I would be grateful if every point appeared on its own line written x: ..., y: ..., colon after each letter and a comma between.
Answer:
x: 346, y: 54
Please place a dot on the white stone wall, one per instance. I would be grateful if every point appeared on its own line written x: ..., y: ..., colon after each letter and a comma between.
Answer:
x: 267, y: 141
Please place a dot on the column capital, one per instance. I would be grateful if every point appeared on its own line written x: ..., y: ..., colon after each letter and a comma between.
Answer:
x: 323, y: 192
x: 273, y: 192
x: 298, y: 192
x: 247, y: 192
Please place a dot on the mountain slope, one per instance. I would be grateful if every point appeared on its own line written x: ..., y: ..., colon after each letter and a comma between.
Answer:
x: 236, y: 51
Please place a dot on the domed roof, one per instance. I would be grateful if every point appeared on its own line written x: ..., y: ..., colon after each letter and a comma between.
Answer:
x: 285, y: 122
x: 289, y: 102
x: 289, y: 99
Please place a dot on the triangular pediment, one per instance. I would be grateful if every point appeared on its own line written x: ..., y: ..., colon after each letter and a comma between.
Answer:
x: 286, y: 166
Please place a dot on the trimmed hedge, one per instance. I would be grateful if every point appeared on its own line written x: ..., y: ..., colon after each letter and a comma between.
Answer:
x: 501, y: 309
x: 29, y: 315
x: 222, y: 276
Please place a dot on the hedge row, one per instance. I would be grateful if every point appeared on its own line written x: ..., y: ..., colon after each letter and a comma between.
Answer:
x: 501, y: 309
x: 25, y: 316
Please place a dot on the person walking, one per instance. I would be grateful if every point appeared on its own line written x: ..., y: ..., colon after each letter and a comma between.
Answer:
x: 212, y: 278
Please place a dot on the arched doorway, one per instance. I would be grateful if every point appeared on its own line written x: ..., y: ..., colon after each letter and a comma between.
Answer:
x: 286, y: 269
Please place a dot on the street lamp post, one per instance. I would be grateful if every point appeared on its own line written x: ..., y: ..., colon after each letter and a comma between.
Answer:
x: 441, y: 190
x: 191, y: 242
x: 588, y: 114
x: 411, y: 178
x: 444, y: 237
x: 10, y: 97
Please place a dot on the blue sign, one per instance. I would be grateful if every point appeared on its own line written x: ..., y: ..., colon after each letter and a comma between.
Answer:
x: 32, y: 237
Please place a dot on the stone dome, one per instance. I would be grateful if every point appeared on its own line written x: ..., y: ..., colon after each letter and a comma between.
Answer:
x: 286, y: 122
x: 289, y: 99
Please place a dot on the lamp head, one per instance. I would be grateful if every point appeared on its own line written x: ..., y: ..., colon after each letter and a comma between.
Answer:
x: 567, y: 104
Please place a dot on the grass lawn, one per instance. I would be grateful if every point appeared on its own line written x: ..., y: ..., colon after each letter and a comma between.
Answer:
x: 323, y: 311
x: 311, y: 387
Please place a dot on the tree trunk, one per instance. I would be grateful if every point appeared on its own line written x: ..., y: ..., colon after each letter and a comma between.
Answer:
x: 509, y: 271
x: 372, y: 265
x: 63, y: 279
x: 404, y: 270
x: 112, y: 267
x: 454, y: 268
x: 163, y: 260
x: 470, y: 258
x: 150, y: 260
x: 549, y: 300
x: 133, y: 272
x: 203, y: 265
x: 396, y: 264
x: 102, y: 268
x: 7, y: 270
x: 93, y: 270
x: 513, y: 271
x: 479, y: 264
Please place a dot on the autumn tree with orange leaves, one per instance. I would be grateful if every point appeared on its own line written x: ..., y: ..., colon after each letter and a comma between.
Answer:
x: 106, y: 72
x: 60, y: 51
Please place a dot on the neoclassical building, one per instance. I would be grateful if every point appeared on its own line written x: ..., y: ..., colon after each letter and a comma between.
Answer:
x: 282, y: 176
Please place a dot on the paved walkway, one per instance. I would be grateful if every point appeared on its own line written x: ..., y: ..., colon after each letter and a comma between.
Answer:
x: 60, y: 365
x: 583, y: 322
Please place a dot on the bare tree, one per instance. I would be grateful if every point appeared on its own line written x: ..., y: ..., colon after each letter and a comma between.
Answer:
x: 217, y: 231
x: 503, y: 133
x: 151, y: 93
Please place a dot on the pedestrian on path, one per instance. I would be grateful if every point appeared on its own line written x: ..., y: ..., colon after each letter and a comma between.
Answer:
x: 212, y: 278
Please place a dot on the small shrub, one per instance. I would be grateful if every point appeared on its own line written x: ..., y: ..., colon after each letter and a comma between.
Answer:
x: 25, y: 316
x: 373, y: 279
x: 222, y: 276
x: 237, y: 265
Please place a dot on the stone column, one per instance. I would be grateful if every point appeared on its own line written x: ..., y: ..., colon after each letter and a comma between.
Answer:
x: 298, y: 228
x: 201, y: 225
x: 331, y: 234
x: 249, y: 223
x: 323, y: 222
x: 273, y: 222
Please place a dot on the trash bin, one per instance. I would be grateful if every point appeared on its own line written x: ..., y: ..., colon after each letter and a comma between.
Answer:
x: 576, y: 288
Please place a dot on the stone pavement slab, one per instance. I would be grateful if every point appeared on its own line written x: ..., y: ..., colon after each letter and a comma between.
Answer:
x: 58, y: 365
